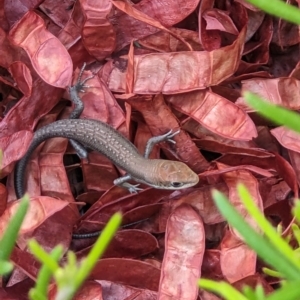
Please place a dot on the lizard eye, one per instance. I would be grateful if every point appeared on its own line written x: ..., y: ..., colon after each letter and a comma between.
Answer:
x: 176, y: 184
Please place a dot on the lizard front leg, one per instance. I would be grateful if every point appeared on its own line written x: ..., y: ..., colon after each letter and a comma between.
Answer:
x: 123, y: 181
x: 78, y: 109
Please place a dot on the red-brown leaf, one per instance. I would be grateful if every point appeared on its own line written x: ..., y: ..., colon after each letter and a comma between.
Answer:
x: 41, y: 46
x: 185, y: 244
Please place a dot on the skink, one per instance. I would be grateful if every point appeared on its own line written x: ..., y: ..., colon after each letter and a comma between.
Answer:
x: 157, y: 173
x: 96, y: 135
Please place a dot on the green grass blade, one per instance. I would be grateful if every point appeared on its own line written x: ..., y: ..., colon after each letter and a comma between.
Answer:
x: 67, y: 289
x: 11, y: 233
x: 296, y: 210
x: 36, y: 295
x: 277, y: 114
x: 270, y: 272
x: 98, y: 249
x: 40, y: 291
x: 279, y: 9
x: 5, y: 267
x: 222, y: 288
x: 279, y: 243
x: 42, y: 256
x: 290, y: 291
x: 296, y: 233
x: 260, y: 245
x: 254, y: 294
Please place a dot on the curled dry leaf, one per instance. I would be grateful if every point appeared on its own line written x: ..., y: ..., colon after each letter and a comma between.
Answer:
x: 53, y: 178
x: 100, y: 104
x: 141, y: 213
x: 217, y: 19
x: 232, y: 245
x: 98, y: 173
x: 253, y: 281
x: 281, y: 211
x: 255, y: 19
x: 128, y: 243
x: 98, y: 34
x: 55, y: 229
x: 184, y: 249
x: 13, y: 148
x: 99, y: 214
x: 70, y: 34
x: 26, y: 262
x: 210, y: 35
x: 257, y: 53
x: 46, y: 52
x: 40, y: 209
x: 251, y: 168
x: 59, y: 11
x: 3, y: 198
x: 127, y: 271
x: 177, y: 72
x: 237, y: 260
x: 29, y: 110
x: 113, y: 289
x: 91, y: 290
x: 280, y: 91
x: 164, y: 42
x: 160, y: 119
x: 210, y: 40
x: 295, y: 162
x: 215, y: 143
x: 167, y: 12
x: 143, y: 134
x: 200, y: 199
x: 208, y: 108
x: 131, y: 11
x: 287, y: 173
x: 22, y: 77
x: 287, y: 138
x: 242, y: 176
x: 285, y: 33
x: 290, y: 140
x: 8, y: 52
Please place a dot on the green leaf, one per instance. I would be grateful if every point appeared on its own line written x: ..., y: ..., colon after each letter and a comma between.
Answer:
x: 296, y: 210
x: 98, y: 249
x: 277, y: 114
x: 36, y: 295
x: 290, y: 291
x: 279, y: 9
x: 71, y: 277
x: 5, y: 267
x: 279, y: 243
x: 40, y: 291
x: 257, y: 294
x: 11, y: 233
x: 222, y: 288
x: 42, y: 256
x: 271, y: 272
x: 260, y: 245
x: 296, y: 233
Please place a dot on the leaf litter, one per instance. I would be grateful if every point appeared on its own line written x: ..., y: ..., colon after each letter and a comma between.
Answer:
x: 159, y: 65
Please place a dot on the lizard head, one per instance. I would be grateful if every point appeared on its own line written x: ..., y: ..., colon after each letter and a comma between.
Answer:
x: 172, y: 175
